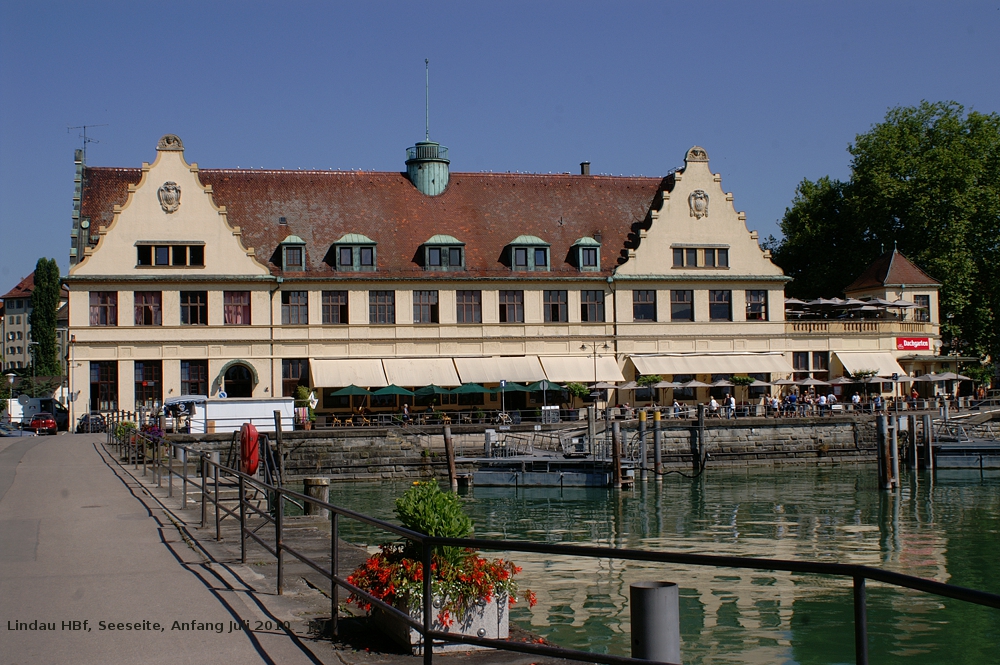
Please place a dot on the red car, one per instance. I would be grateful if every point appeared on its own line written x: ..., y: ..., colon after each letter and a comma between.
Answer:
x: 43, y: 421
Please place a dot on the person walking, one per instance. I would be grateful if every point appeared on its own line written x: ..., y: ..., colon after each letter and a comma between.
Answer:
x: 730, y: 406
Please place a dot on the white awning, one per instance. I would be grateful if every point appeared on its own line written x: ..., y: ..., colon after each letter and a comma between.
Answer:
x: 421, y: 372
x: 363, y: 372
x: 856, y: 361
x: 581, y: 368
x: 708, y: 363
x: 522, y: 369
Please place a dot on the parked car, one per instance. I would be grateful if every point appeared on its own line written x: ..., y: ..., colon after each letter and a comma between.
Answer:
x: 12, y: 430
x: 43, y: 421
x: 91, y: 422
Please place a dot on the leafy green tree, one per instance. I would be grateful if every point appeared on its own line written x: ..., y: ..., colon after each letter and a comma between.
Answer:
x: 926, y: 180
x: 44, y: 308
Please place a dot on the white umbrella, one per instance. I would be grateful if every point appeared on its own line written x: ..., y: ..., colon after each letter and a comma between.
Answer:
x: 841, y: 381
x: 666, y: 384
x: 722, y: 383
x: 811, y: 382
x: 904, y: 304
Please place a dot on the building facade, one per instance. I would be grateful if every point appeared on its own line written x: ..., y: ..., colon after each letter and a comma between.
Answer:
x: 15, y: 326
x: 253, y: 282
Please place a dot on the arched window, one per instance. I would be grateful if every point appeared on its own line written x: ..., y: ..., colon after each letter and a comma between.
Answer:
x: 239, y: 381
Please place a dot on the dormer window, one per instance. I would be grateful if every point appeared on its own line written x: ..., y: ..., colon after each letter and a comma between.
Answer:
x: 443, y: 252
x: 528, y: 253
x: 355, y: 253
x: 587, y: 254
x: 293, y: 254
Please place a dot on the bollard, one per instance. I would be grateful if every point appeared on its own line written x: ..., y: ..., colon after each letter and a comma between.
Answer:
x: 699, y: 462
x: 655, y: 617
x: 657, y: 444
x: 894, y: 451
x: 592, y: 429
x: 317, y: 488
x: 928, y: 443
x: 884, y: 463
x: 642, y: 445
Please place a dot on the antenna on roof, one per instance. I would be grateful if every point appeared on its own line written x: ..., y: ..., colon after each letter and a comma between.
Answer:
x: 427, y: 99
x: 84, y: 137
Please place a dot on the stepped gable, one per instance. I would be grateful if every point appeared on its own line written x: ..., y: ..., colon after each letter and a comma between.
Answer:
x: 891, y: 269
x: 484, y: 210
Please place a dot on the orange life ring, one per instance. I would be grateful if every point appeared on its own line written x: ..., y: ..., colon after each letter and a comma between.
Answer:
x: 249, y: 450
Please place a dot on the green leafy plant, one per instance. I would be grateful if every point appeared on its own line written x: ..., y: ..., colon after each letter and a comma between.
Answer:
x: 302, y: 400
x: 744, y: 381
x: 426, y: 509
x: 577, y: 390
x: 124, y: 429
x: 648, y: 380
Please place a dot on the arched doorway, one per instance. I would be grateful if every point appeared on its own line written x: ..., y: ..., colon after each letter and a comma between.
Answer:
x: 239, y: 381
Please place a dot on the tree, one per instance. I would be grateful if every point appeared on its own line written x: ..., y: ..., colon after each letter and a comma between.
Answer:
x: 926, y: 180
x: 44, y: 308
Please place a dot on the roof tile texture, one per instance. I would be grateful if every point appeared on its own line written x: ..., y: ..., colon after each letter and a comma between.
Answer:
x: 890, y: 268
x: 485, y: 211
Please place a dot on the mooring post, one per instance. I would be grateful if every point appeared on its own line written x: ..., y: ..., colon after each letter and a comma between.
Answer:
x: 699, y: 463
x: 657, y: 444
x: 884, y: 465
x: 616, y: 454
x: 911, y: 448
x: 928, y: 443
x: 449, y: 451
x: 642, y: 445
x: 655, y: 618
x: 592, y: 429
x: 281, y: 449
x: 318, y: 488
x: 894, y: 451
x: 334, y: 572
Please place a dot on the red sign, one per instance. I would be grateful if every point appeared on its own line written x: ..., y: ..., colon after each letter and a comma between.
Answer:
x: 913, y: 344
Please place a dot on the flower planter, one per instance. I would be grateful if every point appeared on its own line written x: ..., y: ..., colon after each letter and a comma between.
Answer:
x: 488, y: 620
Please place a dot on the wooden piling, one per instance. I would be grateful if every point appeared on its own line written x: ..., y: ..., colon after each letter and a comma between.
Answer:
x: 616, y: 454
x: 449, y: 451
x: 657, y: 444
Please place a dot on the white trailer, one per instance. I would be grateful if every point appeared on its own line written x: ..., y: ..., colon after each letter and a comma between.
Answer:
x: 199, y: 414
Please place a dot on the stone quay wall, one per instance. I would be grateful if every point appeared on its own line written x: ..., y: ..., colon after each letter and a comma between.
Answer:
x: 349, y: 454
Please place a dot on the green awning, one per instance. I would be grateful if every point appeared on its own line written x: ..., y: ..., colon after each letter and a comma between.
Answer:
x: 351, y: 390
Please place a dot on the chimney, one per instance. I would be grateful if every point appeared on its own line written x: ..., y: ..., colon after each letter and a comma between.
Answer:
x: 584, y: 168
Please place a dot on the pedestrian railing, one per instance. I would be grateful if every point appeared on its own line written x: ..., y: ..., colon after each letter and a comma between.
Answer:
x: 159, y: 455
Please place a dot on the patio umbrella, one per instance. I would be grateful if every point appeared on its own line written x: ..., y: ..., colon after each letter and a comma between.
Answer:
x: 794, y: 301
x: 811, y: 382
x: 392, y: 390
x: 925, y: 377
x: 784, y: 382
x: 544, y: 387
x: 904, y: 304
x: 602, y: 385
x: 722, y: 383
x: 951, y: 376
x: 431, y: 390
x: 517, y: 388
x: 666, y: 384
x: 757, y: 383
x: 631, y: 385
x: 351, y: 390
x: 471, y: 389
x: 841, y: 381
x: 879, y: 301
x: 694, y: 383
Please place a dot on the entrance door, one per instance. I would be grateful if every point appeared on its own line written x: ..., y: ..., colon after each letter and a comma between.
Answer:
x: 239, y: 381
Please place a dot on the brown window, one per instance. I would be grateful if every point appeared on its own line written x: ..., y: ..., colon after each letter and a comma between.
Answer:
x: 592, y: 306
x: 556, y: 306
x: 334, y: 307
x: 800, y: 362
x: 148, y: 309
x: 821, y: 363
x: 293, y: 258
x: 923, y: 310
x: 425, y: 307
x: 720, y: 305
x: 194, y: 377
x: 104, y: 386
x: 722, y: 256
x: 294, y: 308
x: 381, y: 307
x: 104, y: 308
x: 294, y: 373
x: 756, y: 305
x: 588, y: 257
x: 469, y: 306
x: 644, y: 305
x: 148, y: 384
x: 194, y: 308
x: 682, y: 305
x: 512, y: 307
x: 236, y: 308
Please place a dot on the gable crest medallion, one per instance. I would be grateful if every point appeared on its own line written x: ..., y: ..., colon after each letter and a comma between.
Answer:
x: 169, y: 195
x: 698, y: 202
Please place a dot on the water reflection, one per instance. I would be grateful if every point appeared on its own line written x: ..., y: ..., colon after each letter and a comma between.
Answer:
x: 946, y: 530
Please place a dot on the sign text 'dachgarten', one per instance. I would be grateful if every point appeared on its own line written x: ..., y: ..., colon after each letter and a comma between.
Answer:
x: 913, y: 344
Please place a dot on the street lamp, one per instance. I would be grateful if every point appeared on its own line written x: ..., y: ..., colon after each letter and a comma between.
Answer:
x: 593, y: 345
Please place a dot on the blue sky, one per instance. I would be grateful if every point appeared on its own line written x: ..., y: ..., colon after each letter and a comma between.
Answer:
x: 775, y: 91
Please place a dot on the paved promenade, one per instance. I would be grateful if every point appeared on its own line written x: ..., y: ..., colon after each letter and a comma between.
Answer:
x: 81, y: 542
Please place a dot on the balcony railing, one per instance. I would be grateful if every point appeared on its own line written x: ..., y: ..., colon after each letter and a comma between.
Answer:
x: 859, y: 327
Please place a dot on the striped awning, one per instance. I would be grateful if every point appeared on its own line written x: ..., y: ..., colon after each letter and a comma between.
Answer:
x: 520, y: 369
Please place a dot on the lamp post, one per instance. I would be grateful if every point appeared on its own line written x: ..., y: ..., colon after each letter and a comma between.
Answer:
x: 593, y: 347
x: 34, y: 383
x: 10, y: 378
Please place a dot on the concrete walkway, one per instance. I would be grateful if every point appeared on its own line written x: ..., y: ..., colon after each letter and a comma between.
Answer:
x: 80, y: 541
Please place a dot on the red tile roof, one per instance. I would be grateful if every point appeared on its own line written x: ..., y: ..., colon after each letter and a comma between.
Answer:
x: 891, y: 269
x: 485, y: 211
x: 23, y: 288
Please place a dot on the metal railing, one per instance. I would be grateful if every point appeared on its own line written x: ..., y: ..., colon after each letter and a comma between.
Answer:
x: 135, y: 448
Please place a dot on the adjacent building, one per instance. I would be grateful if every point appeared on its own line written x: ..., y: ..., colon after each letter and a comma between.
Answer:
x: 253, y: 282
x: 15, y: 317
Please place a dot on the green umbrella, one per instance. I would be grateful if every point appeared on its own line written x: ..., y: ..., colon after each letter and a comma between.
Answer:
x: 516, y: 388
x: 471, y: 389
x: 392, y: 390
x: 351, y: 390
x: 544, y: 385
x: 432, y: 390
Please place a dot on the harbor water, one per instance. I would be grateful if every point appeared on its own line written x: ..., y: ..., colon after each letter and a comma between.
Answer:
x: 945, y: 528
